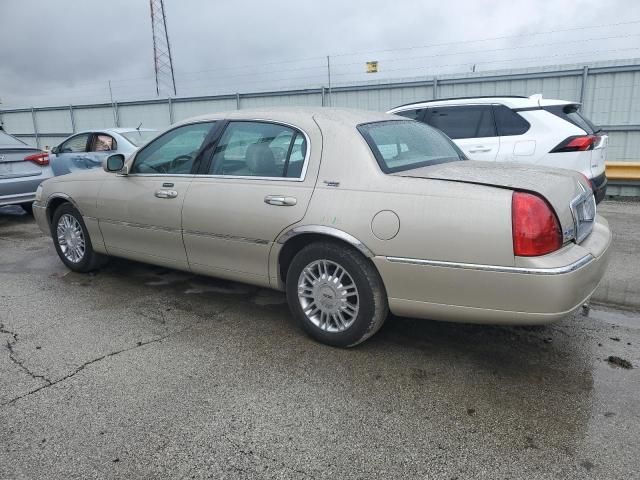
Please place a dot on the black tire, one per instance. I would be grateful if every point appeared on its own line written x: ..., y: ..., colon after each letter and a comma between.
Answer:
x: 372, y: 297
x: 27, y: 207
x: 90, y: 260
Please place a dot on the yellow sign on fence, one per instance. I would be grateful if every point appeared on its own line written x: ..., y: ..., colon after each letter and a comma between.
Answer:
x: 372, y: 67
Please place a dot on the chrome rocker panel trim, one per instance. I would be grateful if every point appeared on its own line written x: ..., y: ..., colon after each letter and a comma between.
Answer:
x: 497, y: 268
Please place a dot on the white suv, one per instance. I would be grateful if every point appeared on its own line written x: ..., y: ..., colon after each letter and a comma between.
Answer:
x: 519, y: 129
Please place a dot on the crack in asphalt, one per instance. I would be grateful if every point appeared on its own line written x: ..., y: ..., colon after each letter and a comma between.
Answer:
x: 264, y: 457
x: 16, y: 360
x: 95, y: 360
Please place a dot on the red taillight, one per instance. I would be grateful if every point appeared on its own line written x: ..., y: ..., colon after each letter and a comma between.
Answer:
x: 578, y: 143
x: 535, y: 227
x: 41, y: 159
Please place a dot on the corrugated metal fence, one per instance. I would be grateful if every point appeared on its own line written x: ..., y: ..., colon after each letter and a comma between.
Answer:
x: 609, y: 91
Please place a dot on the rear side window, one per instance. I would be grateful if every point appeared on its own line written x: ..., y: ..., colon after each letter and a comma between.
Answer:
x: 473, y: 121
x: 509, y: 122
x: 414, y: 114
x: 403, y: 145
x: 103, y: 143
x: 571, y: 114
x: 259, y: 149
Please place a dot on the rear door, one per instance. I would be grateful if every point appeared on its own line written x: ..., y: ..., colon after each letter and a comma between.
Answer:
x: 72, y: 155
x: 517, y: 143
x: 258, y: 182
x: 471, y: 127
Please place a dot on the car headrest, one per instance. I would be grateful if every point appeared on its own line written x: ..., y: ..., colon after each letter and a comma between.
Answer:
x: 260, y: 159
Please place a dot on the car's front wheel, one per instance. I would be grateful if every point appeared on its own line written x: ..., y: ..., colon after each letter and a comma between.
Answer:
x: 336, y: 294
x: 72, y: 241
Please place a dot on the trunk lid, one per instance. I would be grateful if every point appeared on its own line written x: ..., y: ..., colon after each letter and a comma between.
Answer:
x: 566, y: 191
x: 13, y: 165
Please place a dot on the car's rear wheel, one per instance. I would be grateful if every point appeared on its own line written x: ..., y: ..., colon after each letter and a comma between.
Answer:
x: 72, y: 241
x: 336, y: 294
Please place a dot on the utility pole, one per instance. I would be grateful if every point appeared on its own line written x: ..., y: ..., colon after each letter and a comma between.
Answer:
x: 163, y: 63
x: 329, y: 77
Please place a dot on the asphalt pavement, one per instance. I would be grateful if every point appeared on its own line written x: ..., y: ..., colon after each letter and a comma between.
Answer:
x: 144, y: 372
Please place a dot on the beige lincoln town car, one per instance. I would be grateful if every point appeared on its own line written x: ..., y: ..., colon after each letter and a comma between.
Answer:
x: 352, y: 213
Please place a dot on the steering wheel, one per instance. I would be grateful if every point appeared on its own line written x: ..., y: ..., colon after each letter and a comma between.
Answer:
x: 173, y: 165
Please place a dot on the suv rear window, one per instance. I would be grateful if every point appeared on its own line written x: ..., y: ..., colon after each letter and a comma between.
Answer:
x: 403, y: 145
x: 571, y: 114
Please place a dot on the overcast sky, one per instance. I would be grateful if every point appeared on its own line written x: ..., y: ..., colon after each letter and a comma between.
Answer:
x: 68, y: 50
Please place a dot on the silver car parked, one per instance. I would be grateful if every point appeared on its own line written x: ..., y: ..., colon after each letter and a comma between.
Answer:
x: 86, y: 150
x: 22, y: 169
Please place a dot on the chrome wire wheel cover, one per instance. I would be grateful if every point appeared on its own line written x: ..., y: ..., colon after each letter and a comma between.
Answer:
x: 70, y: 238
x: 328, y: 296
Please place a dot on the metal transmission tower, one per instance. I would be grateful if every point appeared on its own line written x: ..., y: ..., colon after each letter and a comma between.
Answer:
x: 165, y: 80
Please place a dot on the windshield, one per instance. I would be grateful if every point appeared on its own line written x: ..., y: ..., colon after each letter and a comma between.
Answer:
x: 139, y: 137
x: 6, y: 139
x: 404, y: 145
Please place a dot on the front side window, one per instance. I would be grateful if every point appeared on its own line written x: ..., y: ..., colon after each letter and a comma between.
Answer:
x: 403, y: 145
x: 259, y: 149
x: 75, y: 144
x: 174, y: 152
x: 473, y: 121
x: 103, y: 143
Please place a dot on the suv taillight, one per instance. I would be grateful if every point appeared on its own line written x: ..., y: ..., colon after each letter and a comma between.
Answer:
x: 578, y: 143
x: 41, y: 159
x: 535, y: 228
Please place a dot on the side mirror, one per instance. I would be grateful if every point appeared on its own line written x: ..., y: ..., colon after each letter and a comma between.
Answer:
x: 114, y: 163
x: 54, y: 149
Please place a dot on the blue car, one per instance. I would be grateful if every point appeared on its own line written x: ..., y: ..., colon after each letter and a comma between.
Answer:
x: 86, y: 150
x: 22, y: 169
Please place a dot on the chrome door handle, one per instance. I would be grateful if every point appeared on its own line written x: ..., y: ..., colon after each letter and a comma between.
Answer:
x: 480, y: 149
x: 280, y: 200
x: 166, y: 194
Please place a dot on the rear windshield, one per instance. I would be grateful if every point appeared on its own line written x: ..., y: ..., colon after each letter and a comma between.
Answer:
x: 6, y: 139
x: 403, y: 145
x: 571, y: 114
x: 139, y: 138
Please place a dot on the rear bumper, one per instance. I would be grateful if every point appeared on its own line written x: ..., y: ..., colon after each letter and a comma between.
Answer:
x: 535, y: 291
x: 599, y: 185
x: 18, y: 190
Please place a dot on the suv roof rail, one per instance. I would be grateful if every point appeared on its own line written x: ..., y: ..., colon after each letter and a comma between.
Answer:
x: 459, y: 98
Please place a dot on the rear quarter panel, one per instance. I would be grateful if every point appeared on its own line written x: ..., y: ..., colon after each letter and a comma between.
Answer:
x: 439, y: 220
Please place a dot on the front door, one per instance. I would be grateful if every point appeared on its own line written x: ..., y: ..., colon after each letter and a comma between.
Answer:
x: 140, y: 213
x: 258, y: 182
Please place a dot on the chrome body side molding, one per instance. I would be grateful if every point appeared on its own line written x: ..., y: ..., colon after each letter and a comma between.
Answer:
x: 497, y: 268
x: 328, y: 231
